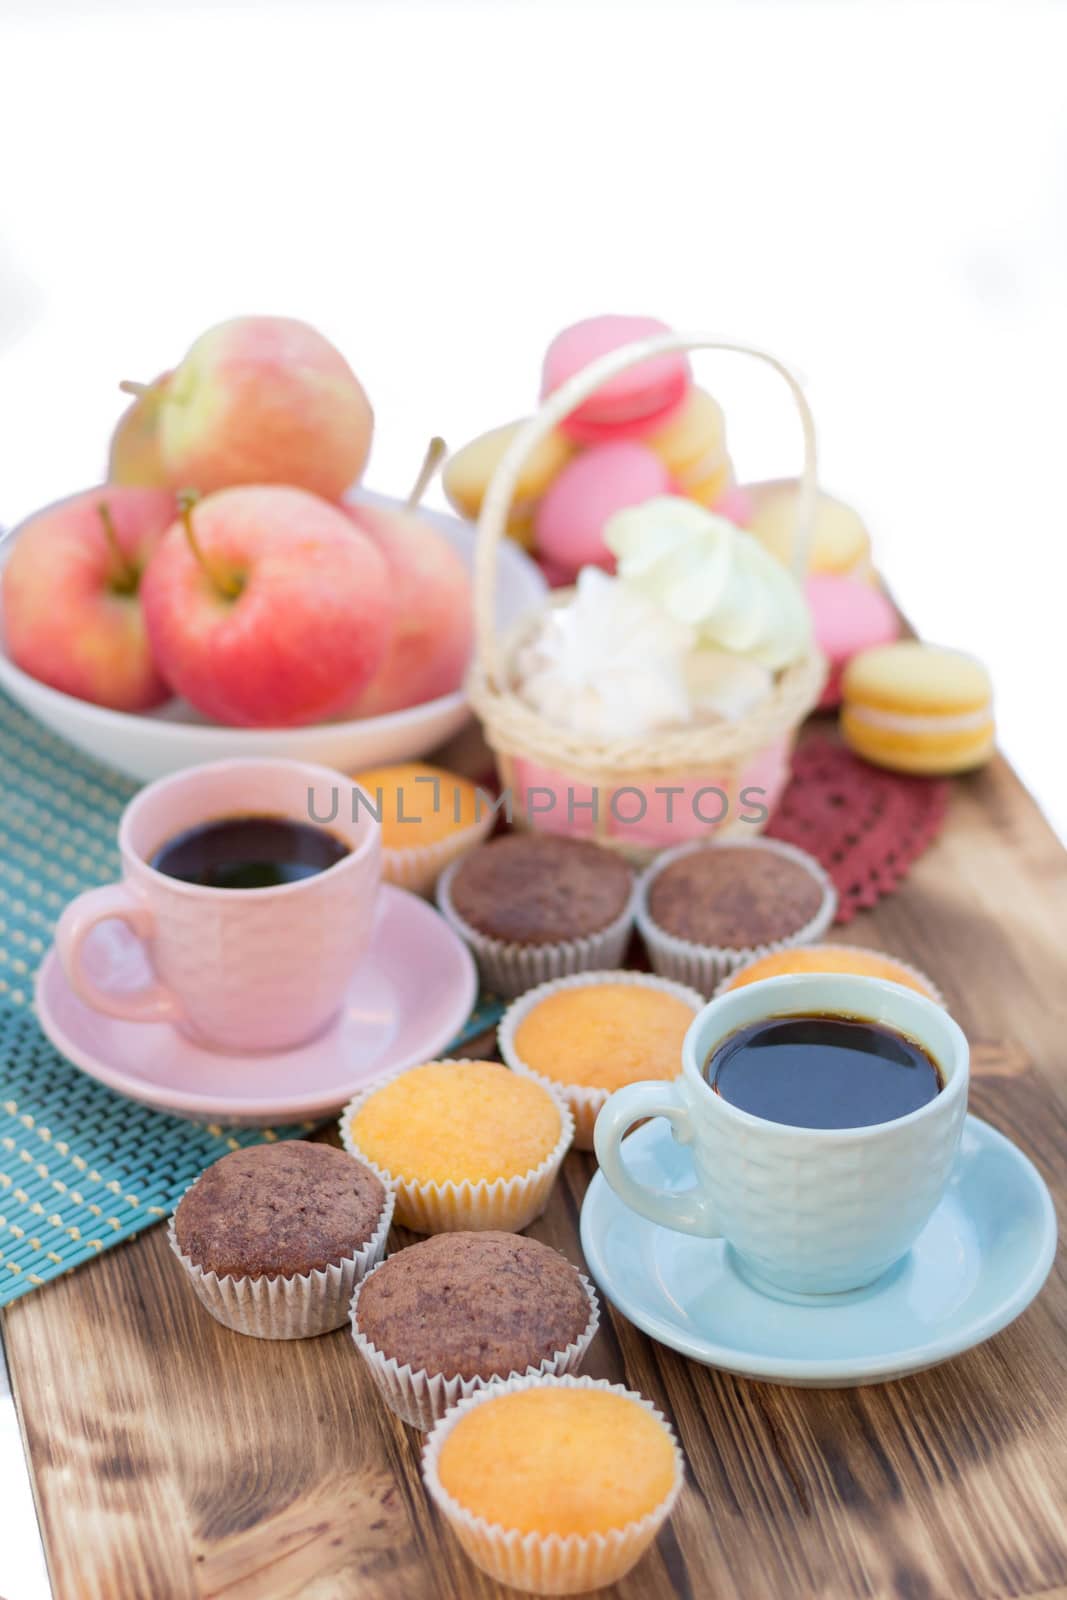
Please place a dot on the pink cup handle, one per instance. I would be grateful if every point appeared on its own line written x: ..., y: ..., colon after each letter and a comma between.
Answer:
x: 154, y: 1003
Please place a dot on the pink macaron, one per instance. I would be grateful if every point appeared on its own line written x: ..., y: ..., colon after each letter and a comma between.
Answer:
x: 555, y: 576
x: 602, y: 480
x: 628, y: 405
x: 735, y: 504
x: 849, y: 616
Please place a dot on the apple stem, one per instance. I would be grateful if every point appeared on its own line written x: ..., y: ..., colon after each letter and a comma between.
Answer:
x: 140, y: 390
x: 223, y: 581
x: 435, y: 454
x: 125, y: 576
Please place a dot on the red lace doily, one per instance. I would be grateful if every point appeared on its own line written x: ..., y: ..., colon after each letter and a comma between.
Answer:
x: 865, y: 825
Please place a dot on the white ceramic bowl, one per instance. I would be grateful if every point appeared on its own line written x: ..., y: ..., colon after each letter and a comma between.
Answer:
x: 150, y: 744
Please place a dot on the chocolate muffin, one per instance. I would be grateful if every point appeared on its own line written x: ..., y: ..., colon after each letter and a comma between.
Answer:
x: 735, y: 898
x: 279, y: 1210
x: 473, y: 1305
x: 537, y: 889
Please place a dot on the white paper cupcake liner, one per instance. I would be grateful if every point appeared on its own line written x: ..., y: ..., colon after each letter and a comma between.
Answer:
x: 703, y: 967
x: 584, y: 1101
x: 420, y: 1398
x: 507, y: 1204
x: 511, y: 969
x: 300, y: 1307
x: 860, y: 950
x: 546, y: 1563
x: 419, y: 867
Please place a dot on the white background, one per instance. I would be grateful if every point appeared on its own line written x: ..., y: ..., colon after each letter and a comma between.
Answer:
x: 877, y: 192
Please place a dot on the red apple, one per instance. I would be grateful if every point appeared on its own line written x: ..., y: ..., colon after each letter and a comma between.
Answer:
x: 431, y: 588
x: 263, y: 400
x: 71, y: 603
x: 264, y: 611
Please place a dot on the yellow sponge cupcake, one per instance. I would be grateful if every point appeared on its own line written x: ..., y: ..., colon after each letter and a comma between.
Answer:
x: 840, y: 542
x: 554, y: 1485
x: 919, y: 708
x: 467, y: 1144
x: 429, y: 817
x: 467, y: 474
x: 590, y: 1034
x: 832, y: 958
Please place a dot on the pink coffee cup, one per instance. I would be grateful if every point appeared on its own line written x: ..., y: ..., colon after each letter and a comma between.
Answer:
x: 240, y: 969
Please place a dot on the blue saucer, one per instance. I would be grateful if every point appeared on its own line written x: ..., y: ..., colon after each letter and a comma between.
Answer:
x: 977, y: 1264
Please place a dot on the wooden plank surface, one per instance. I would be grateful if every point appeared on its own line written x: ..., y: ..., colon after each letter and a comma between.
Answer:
x: 177, y: 1461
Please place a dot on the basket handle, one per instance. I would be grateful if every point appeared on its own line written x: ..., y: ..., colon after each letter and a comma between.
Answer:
x: 492, y: 521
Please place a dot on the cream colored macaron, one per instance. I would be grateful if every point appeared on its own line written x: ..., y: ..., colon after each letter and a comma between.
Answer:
x: 692, y: 446
x: 467, y: 475
x: 840, y: 542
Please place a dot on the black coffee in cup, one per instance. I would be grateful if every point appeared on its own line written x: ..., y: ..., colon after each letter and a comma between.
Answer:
x: 823, y: 1071
x: 250, y: 852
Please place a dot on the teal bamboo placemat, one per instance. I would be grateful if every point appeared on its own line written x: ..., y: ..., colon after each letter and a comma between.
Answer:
x: 81, y: 1168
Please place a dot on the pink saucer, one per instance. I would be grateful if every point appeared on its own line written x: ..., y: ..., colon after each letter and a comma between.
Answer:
x: 409, y: 997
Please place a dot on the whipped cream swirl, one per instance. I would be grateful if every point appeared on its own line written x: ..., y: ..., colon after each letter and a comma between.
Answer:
x: 609, y: 664
x: 707, y: 574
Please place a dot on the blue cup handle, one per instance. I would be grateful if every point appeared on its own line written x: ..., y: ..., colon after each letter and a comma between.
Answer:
x: 688, y: 1212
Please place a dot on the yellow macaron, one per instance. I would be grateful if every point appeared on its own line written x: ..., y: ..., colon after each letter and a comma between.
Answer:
x: 840, y: 542
x: 710, y: 490
x: 692, y: 446
x: 467, y: 475
x: 919, y: 708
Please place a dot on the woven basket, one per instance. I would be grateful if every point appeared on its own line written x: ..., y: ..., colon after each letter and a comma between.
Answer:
x: 727, y: 776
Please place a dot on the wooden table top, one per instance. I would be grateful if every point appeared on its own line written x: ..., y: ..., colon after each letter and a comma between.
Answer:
x: 176, y: 1461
